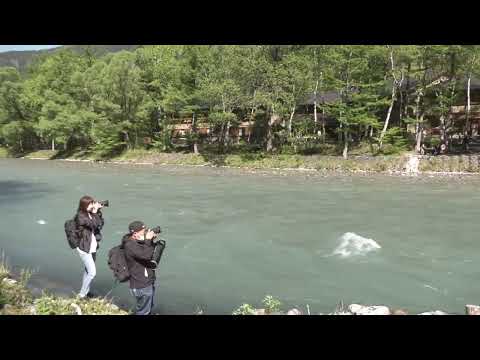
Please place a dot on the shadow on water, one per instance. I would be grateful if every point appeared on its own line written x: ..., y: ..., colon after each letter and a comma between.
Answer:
x: 20, y: 190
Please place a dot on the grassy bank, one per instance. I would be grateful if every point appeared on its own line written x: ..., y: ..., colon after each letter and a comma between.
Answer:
x: 16, y: 299
x: 259, y: 160
x: 248, y: 160
x: 459, y: 163
x: 3, y: 153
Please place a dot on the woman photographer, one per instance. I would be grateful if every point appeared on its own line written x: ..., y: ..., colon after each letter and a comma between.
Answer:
x: 89, y: 221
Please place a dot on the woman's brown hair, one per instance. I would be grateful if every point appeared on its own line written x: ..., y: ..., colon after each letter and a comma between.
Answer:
x: 84, y: 202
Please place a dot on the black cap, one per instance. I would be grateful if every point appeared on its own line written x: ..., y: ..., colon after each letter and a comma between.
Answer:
x: 136, y: 226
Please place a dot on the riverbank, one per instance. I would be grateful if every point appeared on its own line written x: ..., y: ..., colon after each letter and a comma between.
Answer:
x: 17, y: 299
x: 393, y: 164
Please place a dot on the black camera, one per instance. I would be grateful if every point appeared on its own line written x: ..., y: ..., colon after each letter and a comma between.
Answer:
x: 156, y: 230
x: 104, y: 203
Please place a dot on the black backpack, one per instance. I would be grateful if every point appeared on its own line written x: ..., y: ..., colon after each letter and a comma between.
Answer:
x: 118, y: 264
x: 72, y: 233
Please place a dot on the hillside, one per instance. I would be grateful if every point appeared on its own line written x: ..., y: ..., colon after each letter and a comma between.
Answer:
x: 21, y: 59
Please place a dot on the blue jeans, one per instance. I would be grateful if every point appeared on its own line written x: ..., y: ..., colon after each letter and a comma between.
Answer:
x: 89, y: 273
x: 144, y: 300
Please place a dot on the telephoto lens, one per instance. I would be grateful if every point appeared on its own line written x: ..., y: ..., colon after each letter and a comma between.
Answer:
x: 157, y: 253
x: 104, y: 203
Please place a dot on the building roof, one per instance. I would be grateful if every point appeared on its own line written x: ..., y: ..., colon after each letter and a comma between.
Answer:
x: 322, y: 97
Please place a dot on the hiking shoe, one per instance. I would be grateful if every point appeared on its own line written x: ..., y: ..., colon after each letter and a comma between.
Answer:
x: 91, y: 295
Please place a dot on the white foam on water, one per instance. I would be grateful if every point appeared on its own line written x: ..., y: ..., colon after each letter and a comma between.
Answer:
x: 352, y: 244
x: 41, y: 222
x: 430, y: 287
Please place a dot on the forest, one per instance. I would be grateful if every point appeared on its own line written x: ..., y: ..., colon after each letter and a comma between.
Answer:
x: 292, y: 99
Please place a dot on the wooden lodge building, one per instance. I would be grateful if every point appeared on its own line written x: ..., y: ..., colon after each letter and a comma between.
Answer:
x: 245, y: 129
x: 180, y: 130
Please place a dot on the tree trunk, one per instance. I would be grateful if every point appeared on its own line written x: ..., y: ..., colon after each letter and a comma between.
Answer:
x: 53, y: 144
x: 345, y: 143
x: 221, y: 138
x: 387, y: 119
x: 467, y: 114
x: 419, y: 131
x: 126, y: 138
x: 194, y: 131
x: 443, y: 130
x: 252, y: 116
x: 392, y: 101
x: 250, y: 125
x: 323, y: 126
x: 165, y: 133
x: 271, y: 122
x: 290, y: 122
x: 400, y: 107
x: 418, y: 128
x: 404, y: 108
x: 227, y: 135
x: 315, y: 120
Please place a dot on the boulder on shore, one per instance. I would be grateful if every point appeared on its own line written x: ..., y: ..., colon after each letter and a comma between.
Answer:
x: 436, y: 312
x: 357, y: 309
x: 294, y: 312
x: 10, y: 281
x: 472, y: 309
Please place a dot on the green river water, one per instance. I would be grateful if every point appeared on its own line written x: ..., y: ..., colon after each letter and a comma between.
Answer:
x: 234, y: 236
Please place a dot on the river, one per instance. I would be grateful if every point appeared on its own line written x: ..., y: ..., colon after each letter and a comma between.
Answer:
x: 234, y: 236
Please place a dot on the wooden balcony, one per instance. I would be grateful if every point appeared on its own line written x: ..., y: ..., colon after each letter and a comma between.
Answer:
x: 474, y: 109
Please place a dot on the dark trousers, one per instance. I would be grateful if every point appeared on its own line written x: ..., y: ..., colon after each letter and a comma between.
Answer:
x: 144, y: 299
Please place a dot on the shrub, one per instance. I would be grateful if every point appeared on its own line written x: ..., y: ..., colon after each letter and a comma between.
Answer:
x: 245, y: 309
x: 271, y: 304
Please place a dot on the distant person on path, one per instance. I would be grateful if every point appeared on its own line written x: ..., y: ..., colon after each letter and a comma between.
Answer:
x: 139, y: 248
x: 89, y: 221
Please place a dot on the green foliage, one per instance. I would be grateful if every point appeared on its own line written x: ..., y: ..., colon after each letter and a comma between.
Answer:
x: 109, y: 103
x: 53, y: 305
x: 15, y: 294
x: 395, y: 141
x: 245, y: 309
x: 271, y: 304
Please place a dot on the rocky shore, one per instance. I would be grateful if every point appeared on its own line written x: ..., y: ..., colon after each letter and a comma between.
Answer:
x: 407, y: 164
x: 357, y: 309
x: 16, y: 299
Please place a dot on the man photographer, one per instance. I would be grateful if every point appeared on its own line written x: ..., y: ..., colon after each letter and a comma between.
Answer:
x: 139, y: 251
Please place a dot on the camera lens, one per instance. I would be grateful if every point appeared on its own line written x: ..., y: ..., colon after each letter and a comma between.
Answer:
x: 156, y: 230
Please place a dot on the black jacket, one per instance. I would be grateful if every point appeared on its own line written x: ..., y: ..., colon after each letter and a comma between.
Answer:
x: 138, y: 255
x: 87, y: 226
